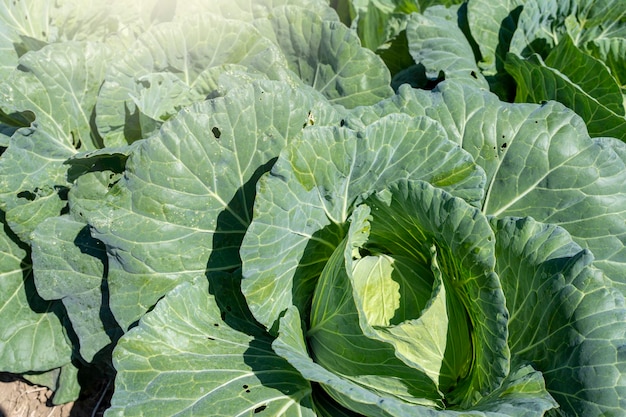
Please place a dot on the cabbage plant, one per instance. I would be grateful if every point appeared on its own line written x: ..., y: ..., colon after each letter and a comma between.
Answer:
x: 422, y: 256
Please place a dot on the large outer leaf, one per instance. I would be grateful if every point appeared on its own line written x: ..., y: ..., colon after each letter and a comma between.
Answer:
x: 320, y: 50
x: 492, y: 23
x: 575, y: 79
x: 596, y: 81
x: 437, y: 42
x: 32, y: 176
x: 521, y: 395
x: 188, y: 358
x: 34, y: 23
x: 172, y: 65
x: 32, y: 337
x: 69, y: 265
x: 58, y: 84
x: 328, y: 56
x: 609, y: 45
x: 378, y: 22
x: 539, y: 162
x: 30, y: 19
x: 302, y: 205
x: 186, y: 197
x: 565, y: 317
x: 463, y: 111
x: 555, y: 173
x: 540, y: 24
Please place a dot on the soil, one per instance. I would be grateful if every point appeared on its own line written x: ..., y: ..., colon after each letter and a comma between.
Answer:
x: 18, y: 398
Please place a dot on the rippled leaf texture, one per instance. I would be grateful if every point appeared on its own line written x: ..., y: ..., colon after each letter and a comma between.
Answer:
x: 33, y: 179
x: 328, y: 56
x: 578, y: 80
x: 322, y: 52
x: 609, y: 45
x: 522, y: 394
x: 302, y: 205
x: 186, y: 196
x: 13, y: 16
x: 453, y: 239
x: 437, y: 42
x: 187, y: 358
x: 566, y: 318
x: 70, y: 266
x: 562, y: 34
x: 542, y: 24
x: 555, y: 173
x: 450, y: 246
x: 539, y: 162
x: 492, y: 23
x: 249, y: 10
x: 377, y: 22
x: 29, y: 25
x: 32, y: 337
x: 339, y: 344
x: 173, y: 65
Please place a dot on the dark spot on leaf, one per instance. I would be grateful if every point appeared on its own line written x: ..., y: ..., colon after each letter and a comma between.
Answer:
x: 381, y: 401
x: 342, y: 123
x: 223, y: 315
x: 248, y: 390
x: 216, y: 324
x: 245, y: 386
x: 310, y: 120
x: 536, y: 121
x: 77, y: 142
x: 473, y: 74
x: 210, y: 338
x: 216, y: 132
x: 229, y: 308
x: 503, y: 146
x: 62, y: 191
x: 28, y: 195
x: 259, y: 409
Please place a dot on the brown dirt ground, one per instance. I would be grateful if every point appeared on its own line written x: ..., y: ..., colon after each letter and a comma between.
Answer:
x: 19, y: 398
